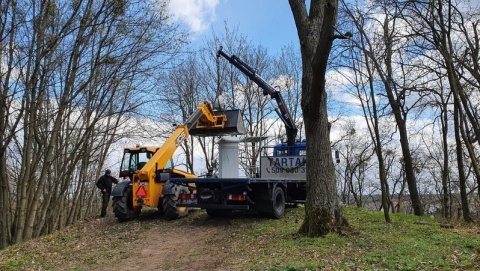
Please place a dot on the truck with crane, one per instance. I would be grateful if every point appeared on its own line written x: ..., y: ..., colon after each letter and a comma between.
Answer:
x: 282, y: 177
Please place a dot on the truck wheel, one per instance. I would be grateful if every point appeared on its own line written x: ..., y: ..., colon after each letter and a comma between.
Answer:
x: 218, y: 212
x: 278, y: 203
x: 170, y: 208
x: 123, y: 206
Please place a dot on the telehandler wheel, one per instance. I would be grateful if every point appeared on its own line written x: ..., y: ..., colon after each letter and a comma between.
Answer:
x: 123, y: 206
x: 169, y: 204
x: 218, y: 212
x: 160, y: 207
x: 278, y: 203
x: 170, y: 207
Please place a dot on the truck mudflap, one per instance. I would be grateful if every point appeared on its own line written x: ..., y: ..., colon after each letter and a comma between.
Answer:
x: 169, y: 188
x: 119, y: 188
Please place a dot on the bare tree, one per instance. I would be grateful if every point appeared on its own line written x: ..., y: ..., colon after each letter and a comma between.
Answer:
x: 363, y: 77
x: 9, y: 109
x: 239, y: 92
x: 397, y: 80
x: 288, y: 70
x: 70, y: 78
x: 356, y: 158
x: 181, y: 92
x: 437, y: 31
x: 316, y: 34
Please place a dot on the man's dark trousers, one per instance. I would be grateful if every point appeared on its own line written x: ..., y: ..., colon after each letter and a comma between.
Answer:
x: 105, y: 200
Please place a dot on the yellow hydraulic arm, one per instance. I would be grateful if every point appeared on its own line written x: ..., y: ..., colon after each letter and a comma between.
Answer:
x: 203, y: 117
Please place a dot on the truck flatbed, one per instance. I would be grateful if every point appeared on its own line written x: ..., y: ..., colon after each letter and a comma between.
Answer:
x: 239, y: 193
x: 233, y: 180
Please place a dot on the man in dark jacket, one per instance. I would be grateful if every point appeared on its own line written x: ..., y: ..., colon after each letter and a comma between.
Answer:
x: 105, y: 185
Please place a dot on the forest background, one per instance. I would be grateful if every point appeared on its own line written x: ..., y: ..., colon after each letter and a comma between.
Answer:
x: 82, y: 80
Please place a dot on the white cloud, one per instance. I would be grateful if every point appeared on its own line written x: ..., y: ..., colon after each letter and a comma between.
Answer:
x: 197, y: 14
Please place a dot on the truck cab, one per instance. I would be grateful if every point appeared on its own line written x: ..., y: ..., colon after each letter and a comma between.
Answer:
x: 300, y: 148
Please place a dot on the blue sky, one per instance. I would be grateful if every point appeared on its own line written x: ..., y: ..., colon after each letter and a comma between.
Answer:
x: 266, y: 22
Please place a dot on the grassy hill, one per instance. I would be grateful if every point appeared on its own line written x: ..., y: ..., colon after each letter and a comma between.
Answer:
x: 246, y: 241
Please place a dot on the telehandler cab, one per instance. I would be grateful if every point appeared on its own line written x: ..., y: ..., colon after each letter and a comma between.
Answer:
x: 149, y: 168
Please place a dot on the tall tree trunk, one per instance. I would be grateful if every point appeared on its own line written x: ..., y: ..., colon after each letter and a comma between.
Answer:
x: 409, y: 168
x: 316, y: 34
x: 5, y: 207
x: 445, y: 167
x: 6, y: 47
x: 375, y: 135
x: 471, y: 153
x: 379, y: 152
x: 400, y: 118
x: 371, y: 114
x: 461, y: 169
x: 25, y: 179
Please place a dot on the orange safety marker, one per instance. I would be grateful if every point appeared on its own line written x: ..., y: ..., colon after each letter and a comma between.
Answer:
x: 141, y: 192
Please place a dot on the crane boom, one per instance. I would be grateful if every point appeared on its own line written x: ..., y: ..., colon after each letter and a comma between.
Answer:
x: 282, y: 111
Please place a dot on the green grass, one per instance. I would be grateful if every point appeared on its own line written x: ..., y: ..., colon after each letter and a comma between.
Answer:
x: 63, y: 250
x: 374, y: 245
x: 12, y: 263
x: 256, y: 243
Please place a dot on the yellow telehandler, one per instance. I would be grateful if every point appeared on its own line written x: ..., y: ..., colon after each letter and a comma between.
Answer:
x: 148, y: 169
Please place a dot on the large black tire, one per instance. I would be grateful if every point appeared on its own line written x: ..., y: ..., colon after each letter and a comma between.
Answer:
x: 123, y: 206
x: 278, y: 203
x: 169, y: 202
x: 170, y: 208
x: 160, y: 207
x: 218, y: 212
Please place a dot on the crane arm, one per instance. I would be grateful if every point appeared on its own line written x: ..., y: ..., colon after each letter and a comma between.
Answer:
x: 282, y: 110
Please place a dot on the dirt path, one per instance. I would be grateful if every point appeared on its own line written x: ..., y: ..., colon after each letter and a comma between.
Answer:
x: 196, y: 242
